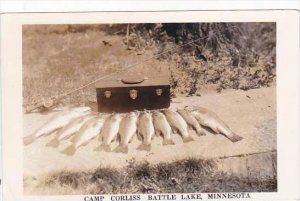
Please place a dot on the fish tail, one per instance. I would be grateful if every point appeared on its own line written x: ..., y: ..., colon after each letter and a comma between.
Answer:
x: 168, y: 142
x: 73, y: 138
x: 234, y: 137
x: 187, y: 139
x: 100, y: 138
x: 105, y: 148
x: 200, y: 132
x: 144, y: 147
x: 53, y: 143
x: 29, y: 139
x: 121, y: 149
x: 69, y: 137
x: 70, y: 150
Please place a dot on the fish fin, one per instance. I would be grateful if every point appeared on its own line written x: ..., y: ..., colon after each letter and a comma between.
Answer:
x: 53, y: 143
x: 174, y: 131
x: 68, y: 137
x: 94, y: 124
x: 55, y: 131
x: 105, y: 148
x: 81, y: 120
x: 200, y: 132
x: 139, y: 136
x: 100, y: 138
x: 208, y: 130
x: 73, y: 138
x: 115, y: 138
x: 157, y: 133
x: 187, y: 139
x: 215, y: 130
x: 153, y: 135
x: 86, y: 143
x: 70, y: 150
x: 29, y: 139
x: 168, y: 142
x: 144, y: 147
x: 131, y: 139
x: 234, y: 137
x: 118, y: 138
x: 121, y: 149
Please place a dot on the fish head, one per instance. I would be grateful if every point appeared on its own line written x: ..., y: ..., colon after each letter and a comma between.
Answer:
x: 136, y: 112
x: 145, y: 116
x: 148, y: 115
x: 86, y: 117
x: 167, y: 112
x: 158, y: 115
x: 102, y: 119
x: 116, y: 117
x: 189, y: 108
x: 155, y: 113
x: 179, y: 110
x: 81, y: 109
x: 147, y: 111
x: 184, y: 111
x: 132, y: 115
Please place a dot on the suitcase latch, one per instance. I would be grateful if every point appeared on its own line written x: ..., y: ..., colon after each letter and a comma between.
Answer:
x: 159, y: 92
x: 107, y: 94
x: 133, y: 93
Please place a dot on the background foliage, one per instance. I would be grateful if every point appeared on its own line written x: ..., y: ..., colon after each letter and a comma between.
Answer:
x: 58, y: 58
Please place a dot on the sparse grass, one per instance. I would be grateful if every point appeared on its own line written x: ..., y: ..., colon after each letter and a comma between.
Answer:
x: 60, y: 58
x: 57, y: 63
x: 183, y: 176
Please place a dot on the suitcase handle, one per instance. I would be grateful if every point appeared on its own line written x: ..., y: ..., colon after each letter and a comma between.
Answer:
x: 133, y: 80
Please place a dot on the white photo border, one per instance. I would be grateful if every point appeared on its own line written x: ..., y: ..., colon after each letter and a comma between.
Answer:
x: 287, y: 47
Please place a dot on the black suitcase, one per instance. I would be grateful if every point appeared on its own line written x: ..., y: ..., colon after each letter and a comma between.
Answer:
x: 139, y: 90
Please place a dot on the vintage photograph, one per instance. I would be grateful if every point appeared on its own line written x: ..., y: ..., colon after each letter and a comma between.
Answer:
x: 149, y: 108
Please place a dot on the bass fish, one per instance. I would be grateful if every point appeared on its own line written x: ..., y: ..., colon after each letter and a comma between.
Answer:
x: 211, y: 120
x: 145, y: 131
x: 162, y: 127
x: 192, y: 121
x: 127, y: 130
x: 178, y: 124
x: 57, y: 121
x: 86, y: 133
x: 69, y: 130
x: 109, y: 132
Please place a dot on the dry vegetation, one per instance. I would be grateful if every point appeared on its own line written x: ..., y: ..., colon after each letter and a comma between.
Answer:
x: 184, y: 176
x: 59, y: 58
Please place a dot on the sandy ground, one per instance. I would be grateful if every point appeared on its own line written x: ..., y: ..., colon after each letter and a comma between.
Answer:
x: 251, y: 114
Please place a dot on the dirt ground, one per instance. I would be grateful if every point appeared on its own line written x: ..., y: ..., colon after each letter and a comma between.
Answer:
x: 251, y: 114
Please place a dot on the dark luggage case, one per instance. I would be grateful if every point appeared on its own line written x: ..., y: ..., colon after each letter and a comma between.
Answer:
x: 138, y: 90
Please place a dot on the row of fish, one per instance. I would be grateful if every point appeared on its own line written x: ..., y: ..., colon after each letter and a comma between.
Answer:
x: 82, y: 125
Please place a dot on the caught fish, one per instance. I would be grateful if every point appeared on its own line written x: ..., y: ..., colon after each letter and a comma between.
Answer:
x: 88, y: 131
x: 145, y: 131
x: 211, y: 120
x: 68, y: 131
x: 57, y: 121
x: 178, y: 124
x: 162, y: 127
x: 127, y: 130
x: 192, y: 121
x: 109, y: 132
